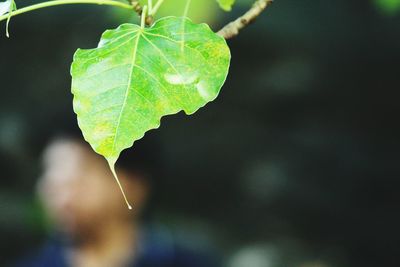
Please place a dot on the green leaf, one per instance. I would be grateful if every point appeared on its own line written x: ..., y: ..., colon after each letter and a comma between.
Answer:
x: 135, y: 76
x: 226, y: 4
x: 5, y: 7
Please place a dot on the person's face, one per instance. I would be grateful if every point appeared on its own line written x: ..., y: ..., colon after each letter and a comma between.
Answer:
x: 79, y: 191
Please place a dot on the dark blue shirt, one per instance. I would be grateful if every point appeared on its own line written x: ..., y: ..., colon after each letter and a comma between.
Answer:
x: 156, y: 249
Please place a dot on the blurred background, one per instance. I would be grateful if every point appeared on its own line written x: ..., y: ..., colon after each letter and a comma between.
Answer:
x: 295, y: 164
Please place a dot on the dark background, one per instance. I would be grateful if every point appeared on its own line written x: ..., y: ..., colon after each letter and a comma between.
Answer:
x: 295, y: 164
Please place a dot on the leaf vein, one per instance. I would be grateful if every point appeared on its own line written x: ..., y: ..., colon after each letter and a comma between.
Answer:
x: 168, y: 62
x: 133, y: 60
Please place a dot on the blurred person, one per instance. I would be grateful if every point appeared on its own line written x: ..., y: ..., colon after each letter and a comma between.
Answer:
x: 92, y: 225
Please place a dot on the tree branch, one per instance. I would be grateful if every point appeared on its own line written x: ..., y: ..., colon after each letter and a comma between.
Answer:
x: 232, y: 29
x: 139, y: 10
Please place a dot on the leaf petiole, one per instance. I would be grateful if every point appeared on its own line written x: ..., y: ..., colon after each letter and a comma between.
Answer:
x: 186, y: 11
x: 143, y: 17
x: 64, y: 2
x: 13, y: 7
x: 156, y: 7
x: 150, y: 5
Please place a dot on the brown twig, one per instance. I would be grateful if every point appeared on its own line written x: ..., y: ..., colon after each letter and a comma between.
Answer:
x: 139, y: 10
x: 232, y: 29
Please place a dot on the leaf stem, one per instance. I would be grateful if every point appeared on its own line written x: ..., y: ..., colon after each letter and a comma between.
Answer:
x: 12, y: 7
x: 64, y: 2
x: 150, y: 5
x: 143, y: 18
x: 186, y: 11
x: 156, y: 7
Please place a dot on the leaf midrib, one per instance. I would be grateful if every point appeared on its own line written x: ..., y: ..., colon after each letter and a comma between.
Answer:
x: 133, y: 60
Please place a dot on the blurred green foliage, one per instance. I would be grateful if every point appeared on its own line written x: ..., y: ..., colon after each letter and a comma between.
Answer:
x: 389, y: 7
x: 226, y: 4
x: 208, y: 11
x: 199, y: 11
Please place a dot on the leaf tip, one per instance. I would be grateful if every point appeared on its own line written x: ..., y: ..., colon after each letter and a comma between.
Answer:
x: 111, y: 163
